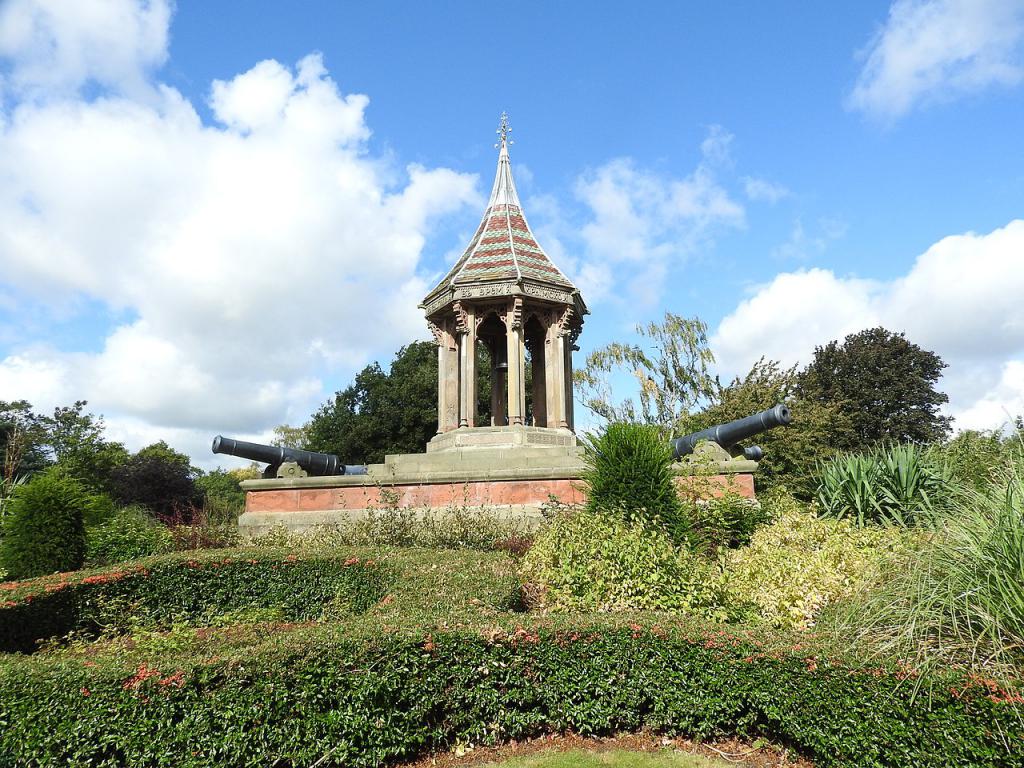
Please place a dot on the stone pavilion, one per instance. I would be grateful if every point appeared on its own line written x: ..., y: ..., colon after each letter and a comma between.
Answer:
x: 505, y: 293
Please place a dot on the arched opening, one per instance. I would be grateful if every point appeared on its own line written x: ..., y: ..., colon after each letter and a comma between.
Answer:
x: 492, y: 372
x: 534, y: 334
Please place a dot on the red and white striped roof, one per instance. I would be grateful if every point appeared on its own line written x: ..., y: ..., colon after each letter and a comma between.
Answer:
x: 503, y: 247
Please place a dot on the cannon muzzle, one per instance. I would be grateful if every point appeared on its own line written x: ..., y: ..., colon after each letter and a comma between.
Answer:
x: 727, y: 435
x: 315, y: 464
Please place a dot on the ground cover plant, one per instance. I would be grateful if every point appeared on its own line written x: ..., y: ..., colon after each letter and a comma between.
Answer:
x: 894, y: 485
x: 445, y: 656
x: 194, y: 589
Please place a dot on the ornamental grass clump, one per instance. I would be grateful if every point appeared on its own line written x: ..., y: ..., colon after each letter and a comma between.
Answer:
x: 961, y: 598
x: 43, y: 530
x: 629, y: 473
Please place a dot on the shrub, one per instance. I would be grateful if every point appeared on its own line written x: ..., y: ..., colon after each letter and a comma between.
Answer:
x: 799, y: 563
x: 173, y: 588
x: 43, y: 531
x: 896, y: 485
x: 460, y: 526
x: 98, y: 508
x: 129, y: 534
x: 223, y: 497
x: 963, y: 601
x: 596, y: 560
x: 388, y: 698
x: 191, y: 529
x: 975, y: 459
x: 724, y: 522
x: 629, y: 472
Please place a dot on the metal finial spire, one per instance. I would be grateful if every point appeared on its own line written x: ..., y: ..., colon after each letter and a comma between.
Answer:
x: 503, y: 131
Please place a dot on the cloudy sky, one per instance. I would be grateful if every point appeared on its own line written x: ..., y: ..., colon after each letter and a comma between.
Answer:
x: 212, y: 214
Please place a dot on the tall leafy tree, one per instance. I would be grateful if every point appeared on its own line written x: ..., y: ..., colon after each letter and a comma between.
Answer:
x: 883, y: 384
x: 670, y: 366
x: 381, y: 413
x: 161, y: 479
x: 22, y: 440
x: 790, y: 453
x: 71, y: 437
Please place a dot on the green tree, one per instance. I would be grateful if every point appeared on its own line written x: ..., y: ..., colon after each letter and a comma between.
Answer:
x: 381, y: 413
x: 790, y: 453
x: 671, y: 369
x: 160, y: 479
x: 884, y: 385
x: 288, y: 436
x: 70, y: 437
x: 22, y: 440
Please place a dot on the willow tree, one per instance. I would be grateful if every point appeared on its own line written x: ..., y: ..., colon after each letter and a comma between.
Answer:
x: 670, y: 366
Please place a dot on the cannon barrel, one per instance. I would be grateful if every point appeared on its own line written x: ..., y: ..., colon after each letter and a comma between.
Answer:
x: 316, y: 464
x: 727, y: 435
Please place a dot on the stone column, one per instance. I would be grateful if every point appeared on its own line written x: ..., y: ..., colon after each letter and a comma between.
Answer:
x: 566, y: 343
x: 451, y: 382
x: 554, y: 388
x: 516, y: 356
x: 466, y: 325
x: 569, y: 404
x: 447, y: 377
x: 442, y: 388
x: 499, y: 376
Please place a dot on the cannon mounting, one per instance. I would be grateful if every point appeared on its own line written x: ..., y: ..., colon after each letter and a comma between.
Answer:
x: 728, y: 435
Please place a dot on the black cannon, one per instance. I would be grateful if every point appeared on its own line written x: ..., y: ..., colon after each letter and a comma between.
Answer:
x: 311, y: 463
x: 727, y: 435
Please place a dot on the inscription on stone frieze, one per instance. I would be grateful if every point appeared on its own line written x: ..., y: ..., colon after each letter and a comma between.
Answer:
x: 550, y: 294
x: 482, y: 291
x: 437, y: 303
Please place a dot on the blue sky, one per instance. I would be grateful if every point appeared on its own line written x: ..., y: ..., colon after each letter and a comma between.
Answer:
x: 212, y: 214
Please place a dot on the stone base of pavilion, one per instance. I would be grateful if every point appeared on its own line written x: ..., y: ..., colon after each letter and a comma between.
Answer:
x: 509, y: 471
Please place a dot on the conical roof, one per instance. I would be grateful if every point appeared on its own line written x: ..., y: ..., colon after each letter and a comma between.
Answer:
x: 503, y: 248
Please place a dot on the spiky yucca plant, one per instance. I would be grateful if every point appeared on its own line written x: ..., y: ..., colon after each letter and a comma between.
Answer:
x: 894, y: 485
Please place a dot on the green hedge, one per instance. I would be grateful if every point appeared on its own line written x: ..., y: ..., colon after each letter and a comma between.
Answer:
x: 186, y: 587
x: 343, y: 701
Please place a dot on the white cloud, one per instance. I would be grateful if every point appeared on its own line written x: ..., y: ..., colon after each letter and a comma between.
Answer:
x: 640, y: 224
x: 961, y: 299
x: 251, y: 258
x: 803, y: 245
x: 761, y: 190
x: 937, y: 50
x: 55, y: 45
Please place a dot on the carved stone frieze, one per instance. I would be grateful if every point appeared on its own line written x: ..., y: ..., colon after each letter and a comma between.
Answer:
x: 437, y: 302
x: 548, y: 294
x: 486, y: 291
